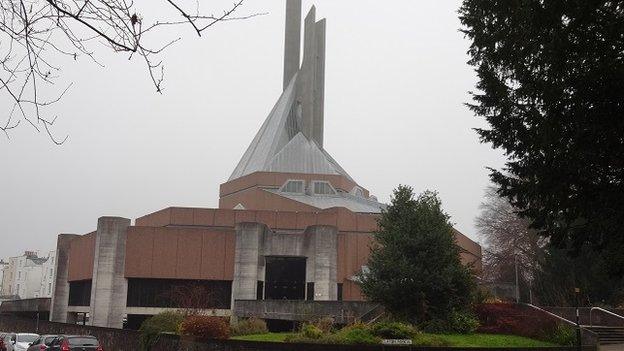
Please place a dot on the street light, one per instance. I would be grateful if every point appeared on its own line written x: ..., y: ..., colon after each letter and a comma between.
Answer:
x: 578, y: 323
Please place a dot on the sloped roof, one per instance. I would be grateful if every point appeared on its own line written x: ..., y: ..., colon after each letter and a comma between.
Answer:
x: 281, y: 146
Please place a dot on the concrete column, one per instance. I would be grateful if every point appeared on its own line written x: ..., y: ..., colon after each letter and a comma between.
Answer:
x: 110, y: 287
x: 292, y: 40
x: 60, y: 294
x: 319, y: 83
x: 306, y: 76
x: 248, y: 239
x: 325, y: 262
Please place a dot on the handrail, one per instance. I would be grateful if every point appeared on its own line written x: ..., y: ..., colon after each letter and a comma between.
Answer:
x: 551, y: 314
x: 602, y: 310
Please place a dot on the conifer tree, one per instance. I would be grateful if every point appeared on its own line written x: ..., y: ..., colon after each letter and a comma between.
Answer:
x: 415, y: 269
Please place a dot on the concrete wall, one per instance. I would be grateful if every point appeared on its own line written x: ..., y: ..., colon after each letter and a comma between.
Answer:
x: 60, y: 296
x: 255, y: 241
x: 109, y: 286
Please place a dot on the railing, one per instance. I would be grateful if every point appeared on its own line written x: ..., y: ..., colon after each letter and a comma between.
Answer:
x: 551, y: 314
x: 372, y: 315
x: 602, y: 310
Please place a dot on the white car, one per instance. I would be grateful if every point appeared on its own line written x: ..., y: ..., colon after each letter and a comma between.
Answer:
x: 19, y: 341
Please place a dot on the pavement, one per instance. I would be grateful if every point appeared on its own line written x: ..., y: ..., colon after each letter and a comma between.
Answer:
x: 618, y: 347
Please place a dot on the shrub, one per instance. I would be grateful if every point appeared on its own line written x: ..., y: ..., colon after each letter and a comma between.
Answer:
x: 463, y: 322
x: 326, y: 324
x: 205, y: 327
x: 393, y: 330
x: 311, y: 331
x: 357, y: 334
x: 250, y: 326
x: 165, y: 322
x: 436, y: 326
x: 564, y: 335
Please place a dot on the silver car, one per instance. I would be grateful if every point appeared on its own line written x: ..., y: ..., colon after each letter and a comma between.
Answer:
x: 19, y: 341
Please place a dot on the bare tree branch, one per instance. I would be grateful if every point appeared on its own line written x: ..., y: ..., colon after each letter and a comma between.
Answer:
x: 36, y: 34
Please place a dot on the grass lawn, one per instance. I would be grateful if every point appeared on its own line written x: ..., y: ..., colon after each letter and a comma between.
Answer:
x: 490, y: 340
x: 470, y: 340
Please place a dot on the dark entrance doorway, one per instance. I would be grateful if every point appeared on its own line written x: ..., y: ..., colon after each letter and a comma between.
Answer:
x: 285, y: 278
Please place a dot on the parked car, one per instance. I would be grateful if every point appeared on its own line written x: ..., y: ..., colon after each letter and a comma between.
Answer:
x: 19, y: 341
x: 8, y: 340
x: 75, y: 343
x: 42, y: 343
x: 2, y: 345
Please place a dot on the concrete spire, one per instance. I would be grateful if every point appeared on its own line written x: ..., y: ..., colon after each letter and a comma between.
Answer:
x: 319, y: 83
x: 292, y: 40
x: 306, y: 78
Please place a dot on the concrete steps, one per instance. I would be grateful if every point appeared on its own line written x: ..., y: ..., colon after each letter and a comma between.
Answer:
x: 608, y: 335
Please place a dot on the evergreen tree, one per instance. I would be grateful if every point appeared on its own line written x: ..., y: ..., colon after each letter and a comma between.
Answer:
x: 415, y: 269
x: 551, y: 87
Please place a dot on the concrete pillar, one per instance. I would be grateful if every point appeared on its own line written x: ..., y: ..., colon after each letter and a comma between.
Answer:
x: 60, y: 294
x: 292, y: 40
x: 319, y: 83
x: 110, y: 287
x: 325, y: 262
x: 248, y: 241
x: 306, y: 76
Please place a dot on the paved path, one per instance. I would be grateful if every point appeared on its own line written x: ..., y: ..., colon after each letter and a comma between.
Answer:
x: 619, y: 347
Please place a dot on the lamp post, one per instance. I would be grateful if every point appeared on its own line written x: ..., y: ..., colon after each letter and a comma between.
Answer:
x: 517, y: 279
x: 578, y: 323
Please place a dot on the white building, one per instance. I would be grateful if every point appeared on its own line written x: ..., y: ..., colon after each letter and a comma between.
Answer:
x: 3, y: 267
x: 29, y: 276
x: 47, y: 276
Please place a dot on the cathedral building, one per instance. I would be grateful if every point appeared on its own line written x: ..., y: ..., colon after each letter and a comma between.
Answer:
x: 292, y: 225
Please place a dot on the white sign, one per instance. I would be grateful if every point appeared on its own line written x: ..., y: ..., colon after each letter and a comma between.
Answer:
x: 396, y: 341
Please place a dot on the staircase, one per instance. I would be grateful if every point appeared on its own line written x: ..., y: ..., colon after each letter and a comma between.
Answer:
x: 608, y: 335
x: 606, y: 327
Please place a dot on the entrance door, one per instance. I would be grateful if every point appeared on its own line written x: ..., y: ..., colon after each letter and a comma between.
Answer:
x: 285, y: 278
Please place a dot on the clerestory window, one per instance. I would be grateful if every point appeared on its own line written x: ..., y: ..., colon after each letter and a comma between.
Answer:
x: 293, y: 186
x: 323, y: 188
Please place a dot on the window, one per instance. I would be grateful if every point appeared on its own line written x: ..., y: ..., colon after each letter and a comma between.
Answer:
x: 49, y: 288
x: 174, y: 293
x: 80, y: 293
x: 357, y: 191
x: 293, y: 186
x: 323, y: 188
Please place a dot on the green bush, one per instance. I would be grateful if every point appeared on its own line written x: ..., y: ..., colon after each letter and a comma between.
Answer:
x: 393, y: 330
x: 564, y: 335
x: 250, y: 326
x: 457, y: 322
x: 311, y: 331
x: 357, y: 334
x: 463, y: 322
x: 165, y: 322
x: 436, y: 326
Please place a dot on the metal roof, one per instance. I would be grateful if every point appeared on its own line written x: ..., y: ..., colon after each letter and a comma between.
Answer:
x: 281, y: 146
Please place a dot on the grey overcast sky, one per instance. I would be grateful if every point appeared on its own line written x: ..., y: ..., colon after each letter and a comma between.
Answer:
x: 396, y: 82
